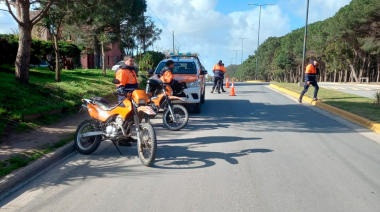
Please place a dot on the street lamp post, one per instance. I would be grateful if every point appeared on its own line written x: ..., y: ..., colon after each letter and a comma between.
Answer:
x: 302, y: 83
x: 258, y: 37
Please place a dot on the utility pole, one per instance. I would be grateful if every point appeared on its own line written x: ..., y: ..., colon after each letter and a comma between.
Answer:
x: 232, y: 60
x: 173, y: 43
x: 236, y: 55
x: 301, y: 83
x: 242, y: 49
x: 258, y: 38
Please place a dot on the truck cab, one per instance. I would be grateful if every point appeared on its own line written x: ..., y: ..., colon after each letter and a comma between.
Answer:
x: 188, y: 70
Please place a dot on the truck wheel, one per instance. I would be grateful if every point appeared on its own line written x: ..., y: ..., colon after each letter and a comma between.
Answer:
x: 203, y: 96
x: 198, y: 108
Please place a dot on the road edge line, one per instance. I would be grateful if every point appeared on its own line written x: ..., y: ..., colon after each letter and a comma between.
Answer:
x: 374, y: 126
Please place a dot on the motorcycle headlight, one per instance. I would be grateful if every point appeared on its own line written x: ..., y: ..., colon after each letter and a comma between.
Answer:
x: 142, y: 102
x: 193, y: 84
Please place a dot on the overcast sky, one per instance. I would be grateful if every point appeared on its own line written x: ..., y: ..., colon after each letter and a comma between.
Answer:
x: 211, y: 27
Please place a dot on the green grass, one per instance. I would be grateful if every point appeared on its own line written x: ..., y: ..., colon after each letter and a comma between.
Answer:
x: 21, y: 160
x: 44, y: 94
x: 358, y: 105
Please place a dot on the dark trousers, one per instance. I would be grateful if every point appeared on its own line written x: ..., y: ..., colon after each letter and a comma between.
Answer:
x: 306, y: 87
x: 217, y: 83
x: 221, y: 84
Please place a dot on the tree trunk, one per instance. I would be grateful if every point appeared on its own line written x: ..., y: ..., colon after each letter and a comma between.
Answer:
x: 104, y: 60
x: 378, y: 68
x: 57, y: 60
x: 96, y: 52
x: 345, y: 75
x: 334, y: 75
x: 23, y: 53
x: 353, y: 73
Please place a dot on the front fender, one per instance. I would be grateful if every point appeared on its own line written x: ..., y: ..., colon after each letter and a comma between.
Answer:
x: 147, y: 110
x: 177, y: 98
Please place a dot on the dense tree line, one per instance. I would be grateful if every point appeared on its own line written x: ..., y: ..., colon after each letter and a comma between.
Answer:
x: 347, y: 46
x: 91, y: 23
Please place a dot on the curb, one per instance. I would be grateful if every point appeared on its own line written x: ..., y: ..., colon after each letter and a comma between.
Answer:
x: 258, y: 81
x: 342, y: 113
x: 14, y: 180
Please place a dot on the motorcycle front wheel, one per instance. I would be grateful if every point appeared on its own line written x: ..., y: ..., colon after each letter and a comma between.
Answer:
x: 147, y: 145
x: 180, y: 119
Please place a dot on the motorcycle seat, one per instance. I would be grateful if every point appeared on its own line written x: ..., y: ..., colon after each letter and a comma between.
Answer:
x: 107, y: 107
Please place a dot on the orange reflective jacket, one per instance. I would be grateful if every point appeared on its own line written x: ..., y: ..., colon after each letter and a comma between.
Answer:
x: 218, y: 67
x: 167, y: 77
x: 126, y: 77
x: 310, y: 69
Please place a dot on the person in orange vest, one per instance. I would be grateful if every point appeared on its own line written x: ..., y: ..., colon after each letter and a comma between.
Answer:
x: 222, y: 81
x: 128, y: 79
x: 219, y: 71
x: 311, y: 73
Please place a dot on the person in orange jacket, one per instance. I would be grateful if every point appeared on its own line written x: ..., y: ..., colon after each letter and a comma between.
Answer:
x: 166, y: 74
x: 219, y: 71
x: 128, y: 79
x: 311, y: 73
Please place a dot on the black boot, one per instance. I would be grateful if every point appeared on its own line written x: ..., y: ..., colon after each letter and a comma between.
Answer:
x: 124, y: 142
x: 212, y: 91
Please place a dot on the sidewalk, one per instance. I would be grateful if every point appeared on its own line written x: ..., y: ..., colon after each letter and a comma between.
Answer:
x: 18, y: 143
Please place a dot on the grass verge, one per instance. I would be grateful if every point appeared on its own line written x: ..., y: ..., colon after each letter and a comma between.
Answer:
x: 358, y: 105
x: 44, y: 94
x: 21, y: 160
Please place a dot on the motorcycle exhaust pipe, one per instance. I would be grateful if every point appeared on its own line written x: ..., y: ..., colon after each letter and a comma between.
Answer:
x: 91, y: 134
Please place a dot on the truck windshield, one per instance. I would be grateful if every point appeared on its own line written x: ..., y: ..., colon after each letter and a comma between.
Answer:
x: 179, y: 68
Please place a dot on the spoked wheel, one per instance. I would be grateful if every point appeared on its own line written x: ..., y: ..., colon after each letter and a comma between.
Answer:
x: 87, y: 145
x: 180, y: 119
x: 147, y: 147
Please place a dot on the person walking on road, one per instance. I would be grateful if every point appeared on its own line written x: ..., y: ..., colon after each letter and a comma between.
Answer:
x: 219, y: 71
x: 128, y: 79
x: 311, y: 73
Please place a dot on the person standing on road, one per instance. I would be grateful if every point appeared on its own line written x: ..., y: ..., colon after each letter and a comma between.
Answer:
x: 222, y: 80
x: 219, y: 71
x: 311, y: 73
x: 128, y: 79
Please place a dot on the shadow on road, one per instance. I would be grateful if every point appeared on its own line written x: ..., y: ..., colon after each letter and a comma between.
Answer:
x: 182, y: 157
x: 260, y: 117
x: 186, y: 157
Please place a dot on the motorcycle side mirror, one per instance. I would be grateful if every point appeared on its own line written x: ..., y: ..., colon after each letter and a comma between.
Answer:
x: 151, y: 71
x: 203, y: 72
x: 115, y: 81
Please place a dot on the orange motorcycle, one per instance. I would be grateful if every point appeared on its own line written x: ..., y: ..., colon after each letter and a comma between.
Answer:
x: 175, y: 117
x: 114, y: 122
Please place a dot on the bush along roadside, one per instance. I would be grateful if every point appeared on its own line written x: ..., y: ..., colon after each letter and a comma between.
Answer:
x: 23, y: 159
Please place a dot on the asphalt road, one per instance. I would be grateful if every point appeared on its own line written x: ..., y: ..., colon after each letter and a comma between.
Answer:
x: 258, y: 151
x: 366, y: 90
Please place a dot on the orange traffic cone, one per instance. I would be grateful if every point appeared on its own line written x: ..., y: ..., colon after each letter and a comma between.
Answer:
x: 232, y: 93
x: 227, y: 83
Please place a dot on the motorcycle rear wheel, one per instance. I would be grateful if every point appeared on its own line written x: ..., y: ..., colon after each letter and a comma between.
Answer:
x: 147, y: 145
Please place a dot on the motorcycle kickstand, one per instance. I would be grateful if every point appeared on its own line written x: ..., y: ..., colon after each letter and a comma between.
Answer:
x: 114, y: 143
